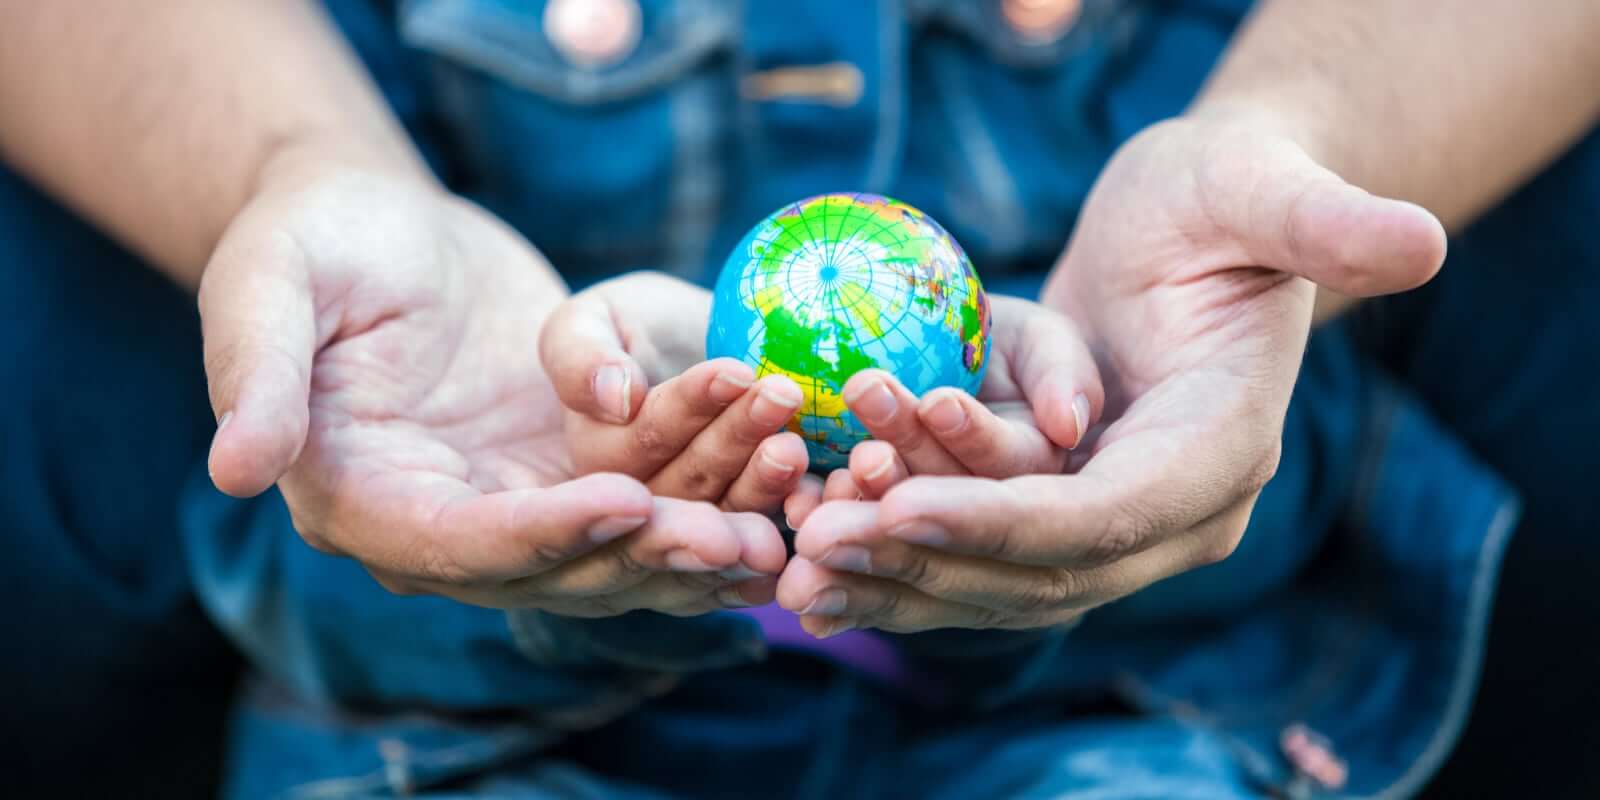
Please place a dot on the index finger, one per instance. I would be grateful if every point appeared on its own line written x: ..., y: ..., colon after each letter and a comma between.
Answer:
x: 1124, y: 501
x: 435, y: 529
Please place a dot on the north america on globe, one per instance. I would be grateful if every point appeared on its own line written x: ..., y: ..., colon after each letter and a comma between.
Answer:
x: 838, y: 283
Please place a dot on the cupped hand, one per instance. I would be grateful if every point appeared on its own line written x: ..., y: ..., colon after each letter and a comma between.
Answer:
x: 627, y: 359
x: 370, y: 345
x: 1191, y: 274
x: 1039, y: 397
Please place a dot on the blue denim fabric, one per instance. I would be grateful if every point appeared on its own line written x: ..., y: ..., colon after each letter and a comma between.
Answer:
x: 1357, y: 603
x: 107, y: 658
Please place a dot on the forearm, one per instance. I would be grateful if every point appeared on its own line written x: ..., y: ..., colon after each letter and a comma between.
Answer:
x: 1451, y: 104
x: 156, y: 119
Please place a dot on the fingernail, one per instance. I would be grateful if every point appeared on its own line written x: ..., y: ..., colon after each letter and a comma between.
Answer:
x: 827, y: 603
x: 611, y: 386
x: 729, y: 597
x: 919, y: 532
x: 842, y: 626
x: 874, y: 403
x: 789, y: 523
x: 686, y: 561
x: 776, y: 470
x: 727, y: 387
x: 1080, y: 416
x: 739, y: 572
x: 946, y: 416
x: 227, y: 416
x: 881, y: 470
x: 848, y: 557
x: 611, y: 527
x: 774, y: 406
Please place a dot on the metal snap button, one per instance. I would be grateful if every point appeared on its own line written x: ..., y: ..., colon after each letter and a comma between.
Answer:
x: 1041, y: 21
x: 593, y: 33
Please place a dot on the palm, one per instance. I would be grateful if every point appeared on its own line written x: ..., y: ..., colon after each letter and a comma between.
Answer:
x: 427, y: 373
x: 1192, y: 335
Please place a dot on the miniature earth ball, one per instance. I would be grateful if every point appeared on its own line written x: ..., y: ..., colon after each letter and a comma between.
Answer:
x: 839, y: 283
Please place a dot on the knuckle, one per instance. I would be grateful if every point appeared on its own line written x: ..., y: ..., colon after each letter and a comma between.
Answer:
x: 696, y: 482
x: 745, y: 435
x: 889, y: 609
x: 652, y: 443
x: 1055, y: 589
x: 987, y: 618
x: 436, y: 566
x: 626, y: 567
x: 1122, y: 535
x: 1000, y: 543
x: 907, y: 438
x: 913, y: 569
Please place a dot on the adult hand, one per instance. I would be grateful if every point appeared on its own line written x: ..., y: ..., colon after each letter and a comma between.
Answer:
x: 1036, y: 404
x: 627, y: 357
x: 370, y: 344
x: 1190, y: 273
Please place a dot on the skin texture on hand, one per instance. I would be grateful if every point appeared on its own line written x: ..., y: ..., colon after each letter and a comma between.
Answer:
x: 626, y: 355
x: 1190, y: 277
x: 371, y: 347
x: 1038, y: 400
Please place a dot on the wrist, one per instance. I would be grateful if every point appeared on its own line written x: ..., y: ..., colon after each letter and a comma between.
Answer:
x: 295, y: 162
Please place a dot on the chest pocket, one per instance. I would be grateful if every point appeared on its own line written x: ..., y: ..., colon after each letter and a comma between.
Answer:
x: 602, y: 149
x: 1011, y: 118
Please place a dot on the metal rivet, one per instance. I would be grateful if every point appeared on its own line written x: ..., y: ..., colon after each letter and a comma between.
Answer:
x: 1041, y: 21
x: 593, y: 33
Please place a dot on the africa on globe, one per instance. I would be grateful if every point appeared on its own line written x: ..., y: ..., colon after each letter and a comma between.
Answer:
x: 838, y: 283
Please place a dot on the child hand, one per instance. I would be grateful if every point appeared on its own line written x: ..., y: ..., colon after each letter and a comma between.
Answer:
x: 1034, y: 408
x: 626, y: 359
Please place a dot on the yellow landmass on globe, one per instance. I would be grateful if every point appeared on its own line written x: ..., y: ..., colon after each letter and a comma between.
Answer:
x: 820, y: 400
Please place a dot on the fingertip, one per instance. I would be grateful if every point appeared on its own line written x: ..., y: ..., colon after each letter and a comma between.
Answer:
x: 905, y: 502
x: 1363, y: 245
x: 758, y: 591
x: 875, y: 467
x: 726, y: 379
x: 761, y: 546
x: 703, y: 530
x: 863, y: 380
x: 781, y: 390
x: 800, y: 582
x: 782, y: 460
x: 617, y: 387
x: 1056, y: 410
x: 613, y: 494
x: 249, y: 454
x: 805, y: 498
x: 833, y: 522
x: 840, y: 485
x: 1421, y: 244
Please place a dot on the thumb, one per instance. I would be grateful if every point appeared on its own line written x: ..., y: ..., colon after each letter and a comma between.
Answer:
x: 1307, y: 221
x: 583, y: 352
x: 258, y: 323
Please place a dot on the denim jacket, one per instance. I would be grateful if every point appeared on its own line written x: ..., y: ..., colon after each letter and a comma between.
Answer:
x: 1368, y: 630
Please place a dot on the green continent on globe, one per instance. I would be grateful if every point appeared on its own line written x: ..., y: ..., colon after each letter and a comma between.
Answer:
x: 839, y: 283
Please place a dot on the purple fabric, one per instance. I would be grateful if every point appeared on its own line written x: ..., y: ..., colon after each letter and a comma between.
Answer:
x: 860, y: 650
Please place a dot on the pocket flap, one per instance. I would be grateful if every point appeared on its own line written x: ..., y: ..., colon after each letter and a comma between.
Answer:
x: 507, y: 39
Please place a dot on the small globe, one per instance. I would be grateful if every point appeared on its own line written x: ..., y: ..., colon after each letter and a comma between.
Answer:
x: 839, y: 283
